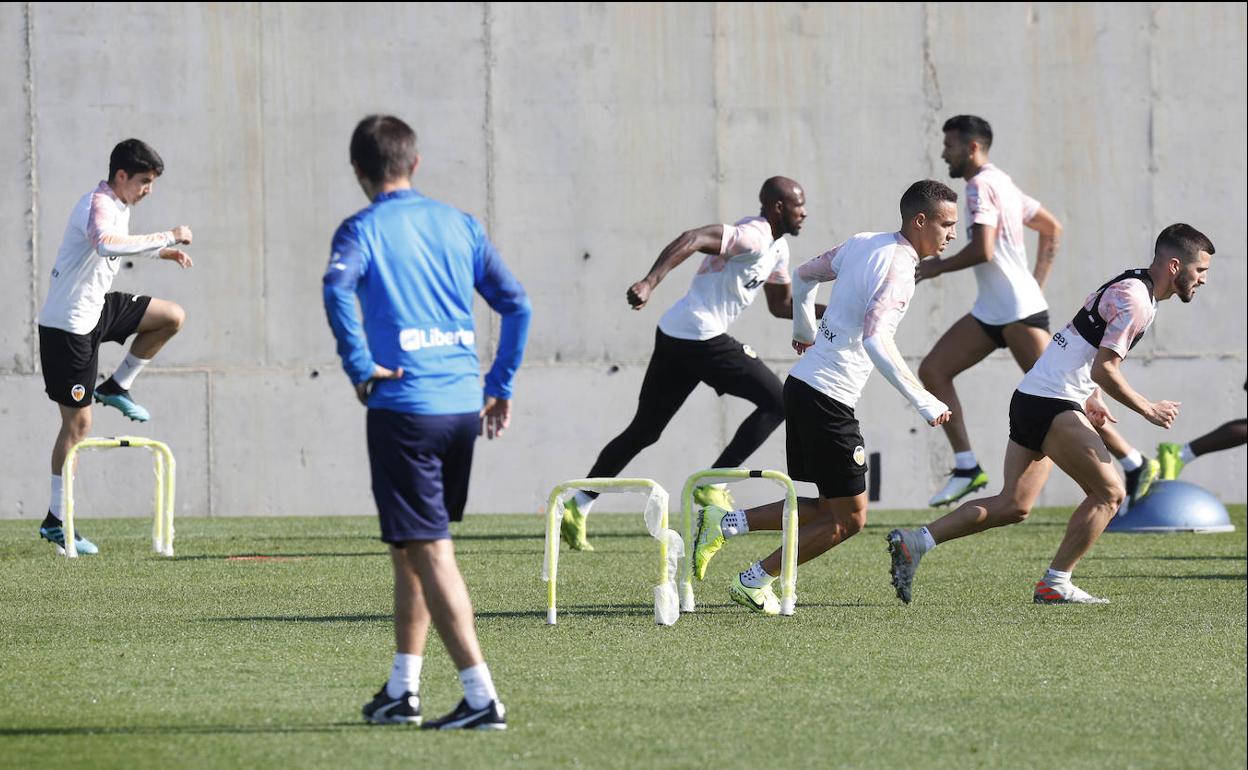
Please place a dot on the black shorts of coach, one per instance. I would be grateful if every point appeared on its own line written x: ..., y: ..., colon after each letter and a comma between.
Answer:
x: 72, y: 361
x: 996, y: 332
x: 1032, y: 416
x: 823, y: 442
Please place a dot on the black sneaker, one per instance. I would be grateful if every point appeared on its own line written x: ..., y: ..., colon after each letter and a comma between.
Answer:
x: 384, y: 710
x: 464, y: 717
x: 52, y: 531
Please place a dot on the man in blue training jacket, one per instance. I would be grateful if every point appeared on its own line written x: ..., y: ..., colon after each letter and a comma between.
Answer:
x: 413, y: 263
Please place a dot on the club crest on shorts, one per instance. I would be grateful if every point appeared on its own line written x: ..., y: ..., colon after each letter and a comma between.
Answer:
x: 749, y: 351
x: 78, y: 392
x: 860, y: 455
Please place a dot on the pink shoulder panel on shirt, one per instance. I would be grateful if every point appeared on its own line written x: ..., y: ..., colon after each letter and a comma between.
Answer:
x: 749, y: 235
x: 1127, y: 309
x: 820, y: 269
x: 888, y: 306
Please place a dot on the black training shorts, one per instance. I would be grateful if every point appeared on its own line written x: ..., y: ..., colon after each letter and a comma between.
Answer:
x: 71, y: 361
x: 996, y: 332
x: 823, y: 442
x: 1032, y: 416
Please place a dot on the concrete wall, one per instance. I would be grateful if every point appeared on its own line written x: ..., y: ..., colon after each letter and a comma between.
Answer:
x: 586, y: 136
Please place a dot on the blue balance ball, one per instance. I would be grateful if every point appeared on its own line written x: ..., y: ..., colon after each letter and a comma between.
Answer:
x: 1174, y: 506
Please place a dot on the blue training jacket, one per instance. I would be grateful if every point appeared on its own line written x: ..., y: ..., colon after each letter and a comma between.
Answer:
x: 414, y: 263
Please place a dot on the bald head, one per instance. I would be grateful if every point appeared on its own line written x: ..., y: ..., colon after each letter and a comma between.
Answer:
x: 783, y: 205
x: 779, y: 189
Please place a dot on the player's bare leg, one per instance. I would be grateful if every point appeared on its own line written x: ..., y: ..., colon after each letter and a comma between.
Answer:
x: 1077, y: 449
x: 963, y: 346
x: 161, y: 320
x: 75, y: 426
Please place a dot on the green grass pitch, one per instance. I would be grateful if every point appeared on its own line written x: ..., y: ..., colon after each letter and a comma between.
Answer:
x: 128, y: 660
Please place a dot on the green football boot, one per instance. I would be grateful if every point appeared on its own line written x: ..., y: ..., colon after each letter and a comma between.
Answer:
x: 708, y: 539
x: 961, y: 483
x: 762, y: 600
x: 1170, y: 456
x: 573, y: 527
x: 1140, y: 481
x: 713, y: 494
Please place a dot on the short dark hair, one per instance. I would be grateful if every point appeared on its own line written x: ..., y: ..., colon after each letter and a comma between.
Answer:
x: 383, y: 148
x: 971, y: 127
x: 134, y: 156
x: 1183, y: 241
x: 924, y: 196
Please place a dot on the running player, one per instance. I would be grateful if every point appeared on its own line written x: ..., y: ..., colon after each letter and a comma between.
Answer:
x: 692, y: 344
x: 874, y: 281
x: 1053, y: 413
x: 80, y: 312
x: 1010, y: 310
x: 413, y: 264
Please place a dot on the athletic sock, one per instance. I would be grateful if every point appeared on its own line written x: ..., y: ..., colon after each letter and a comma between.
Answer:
x: 129, y: 369
x: 1187, y: 455
x: 1132, y: 461
x: 583, y: 501
x: 929, y: 542
x: 1056, y: 576
x: 404, y: 675
x: 57, y: 508
x: 964, y: 461
x: 478, y: 686
x: 735, y: 523
x: 756, y: 576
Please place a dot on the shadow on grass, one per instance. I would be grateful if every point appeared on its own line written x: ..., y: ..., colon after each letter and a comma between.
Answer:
x: 184, y: 729
x: 1227, y: 576
x: 1239, y: 558
x: 262, y: 557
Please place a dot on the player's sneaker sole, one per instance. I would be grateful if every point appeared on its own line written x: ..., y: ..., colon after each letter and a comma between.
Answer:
x: 1169, y: 457
x: 708, y: 539
x: 905, y: 560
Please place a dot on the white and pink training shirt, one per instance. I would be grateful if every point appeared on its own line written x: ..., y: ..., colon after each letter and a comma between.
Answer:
x: 874, y: 282
x: 1008, y: 291
x: 1065, y: 368
x: 97, y: 236
x: 727, y: 282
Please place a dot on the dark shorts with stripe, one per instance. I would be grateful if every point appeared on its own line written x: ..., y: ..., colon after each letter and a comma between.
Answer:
x: 1032, y: 416
x: 420, y: 464
x: 996, y: 332
x: 71, y: 361
x: 823, y: 442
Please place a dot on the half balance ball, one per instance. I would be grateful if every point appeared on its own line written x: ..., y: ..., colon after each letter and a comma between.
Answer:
x: 1174, y: 506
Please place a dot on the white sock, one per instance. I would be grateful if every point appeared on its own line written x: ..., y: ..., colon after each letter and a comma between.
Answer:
x: 404, y: 675
x: 735, y: 524
x: 1187, y: 455
x: 756, y: 576
x: 928, y: 541
x: 478, y: 686
x: 1132, y: 461
x: 1056, y: 576
x: 129, y: 369
x: 964, y: 461
x: 583, y: 503
x: 58, y: 501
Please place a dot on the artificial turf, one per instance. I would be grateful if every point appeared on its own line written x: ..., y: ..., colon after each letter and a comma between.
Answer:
x: 131, y: 660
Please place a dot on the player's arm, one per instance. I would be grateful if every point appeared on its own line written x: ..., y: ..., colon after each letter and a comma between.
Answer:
x: 884, y: 313
x: 806, y: 280
x: 110, y: 240
x: 505, y: 296
x: 1050, y: 230
x: 346, y: 266
x: 780, y: 300
x: 708, y: 240
x: 980, y: 250
x: 1107, y: 374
